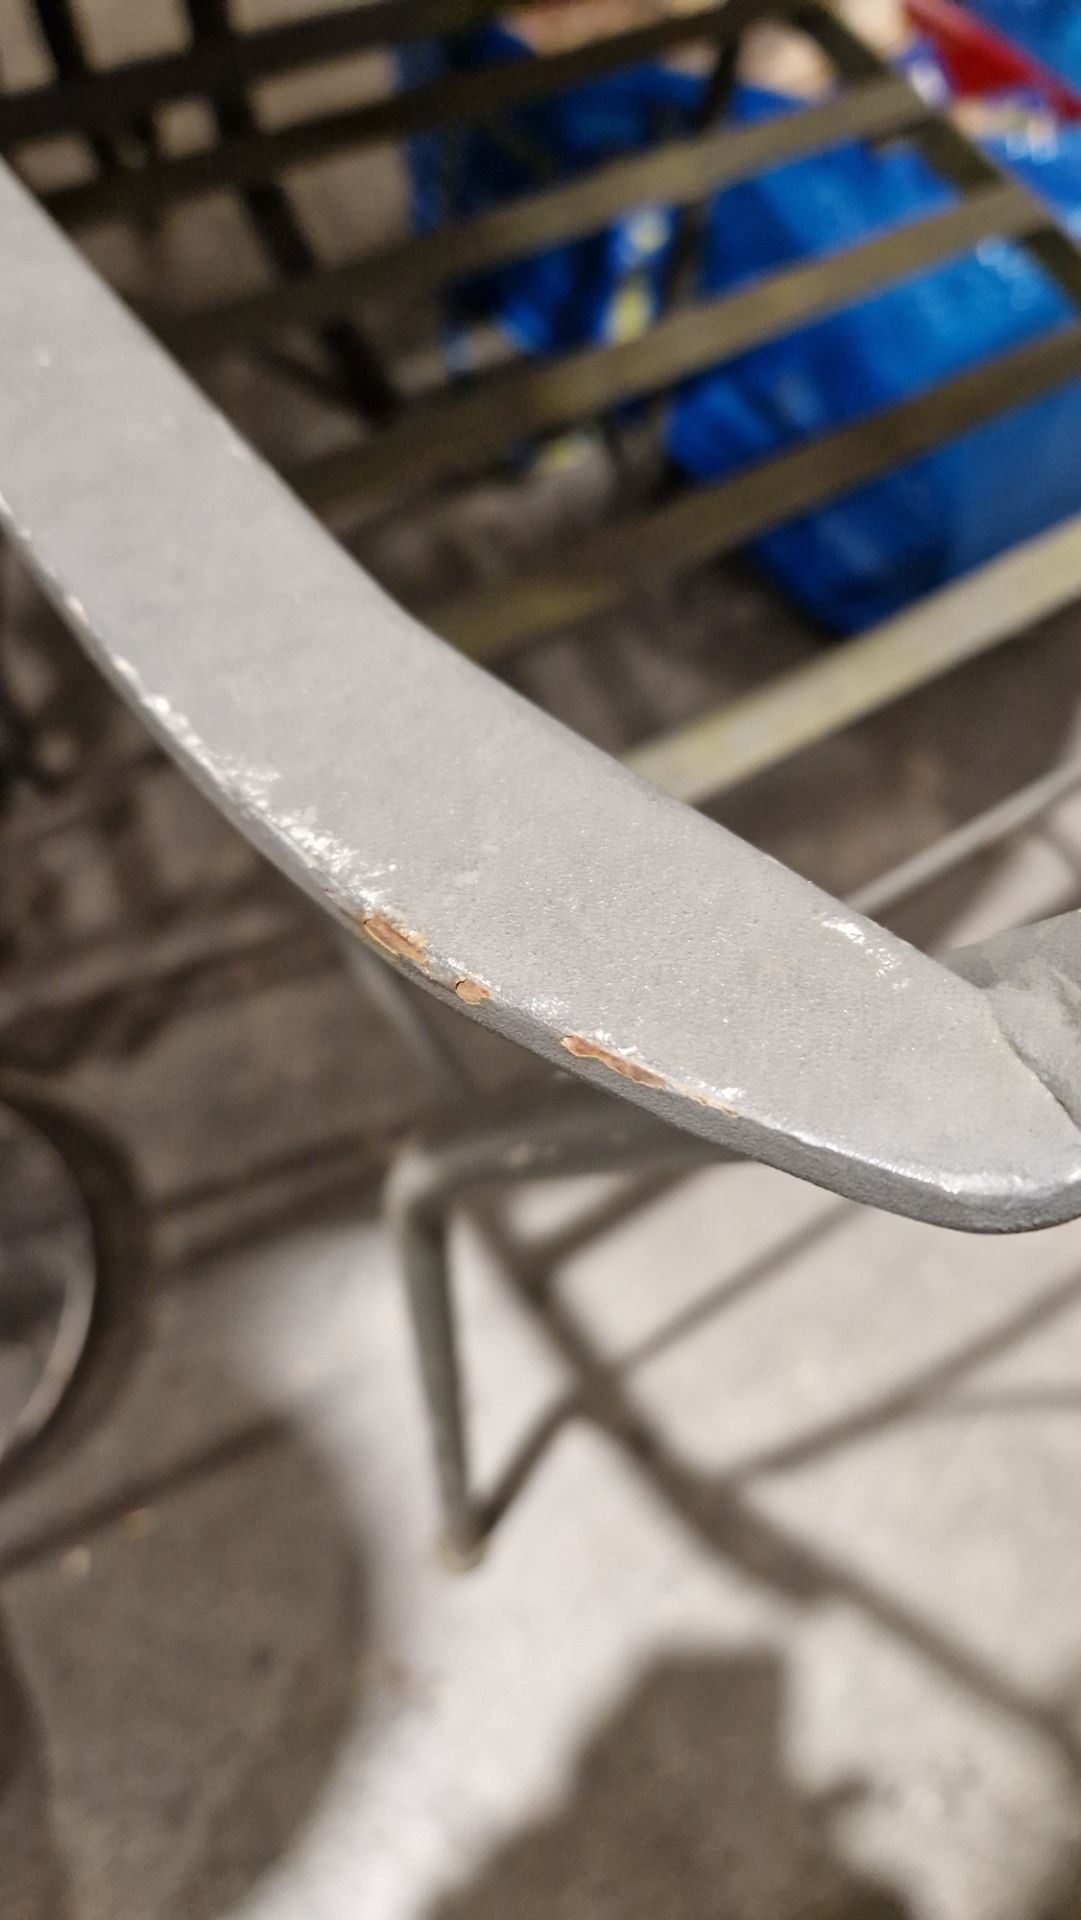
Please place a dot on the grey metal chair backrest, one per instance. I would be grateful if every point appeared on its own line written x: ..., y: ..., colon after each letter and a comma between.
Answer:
x: 487, y: 851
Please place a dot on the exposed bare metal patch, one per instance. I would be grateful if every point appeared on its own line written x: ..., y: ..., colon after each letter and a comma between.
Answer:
x: 471, y: 992
x: 406, y: 946
x: 583, y: 1049
x: 709, y: 1100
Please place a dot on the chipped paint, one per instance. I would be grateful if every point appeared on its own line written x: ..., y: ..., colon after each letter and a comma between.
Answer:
x: 628, y: 1069
x: 607, y: 1056
x: 716, y: 1102
x: 395, y: 940
x: 472, y: 992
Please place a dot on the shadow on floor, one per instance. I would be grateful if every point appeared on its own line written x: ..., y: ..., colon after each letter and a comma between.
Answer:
x: 683, y: 1808
x: 1062, y: 1898
x: 720, y: 1511
x: 178, y: 1670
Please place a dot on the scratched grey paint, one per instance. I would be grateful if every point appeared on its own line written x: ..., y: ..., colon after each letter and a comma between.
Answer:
x: 390, y: 777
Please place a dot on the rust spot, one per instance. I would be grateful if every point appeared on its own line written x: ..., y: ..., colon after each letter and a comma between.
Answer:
x: 583, y: 1049
x: 392, y: 939
x: 471, y: 992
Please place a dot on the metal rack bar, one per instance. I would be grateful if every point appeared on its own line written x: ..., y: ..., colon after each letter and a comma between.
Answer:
x: 606, y: 567
x: 999, y: 602
x: 979, y: 835
x: 475, y: 97
x: 92, y: 102
x: 674, y: 174
x: 365, y: 381
x: 455, y: 433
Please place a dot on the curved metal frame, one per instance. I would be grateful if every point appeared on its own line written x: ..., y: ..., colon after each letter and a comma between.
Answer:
x: 483, y: 848
x: 48, y: 1276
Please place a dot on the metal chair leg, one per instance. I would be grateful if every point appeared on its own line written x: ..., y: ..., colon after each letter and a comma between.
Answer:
x: 565, y: 1128
x: 418, y: 1206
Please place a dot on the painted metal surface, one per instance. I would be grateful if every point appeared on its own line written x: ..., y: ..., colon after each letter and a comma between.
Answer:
x: 484, y: 849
